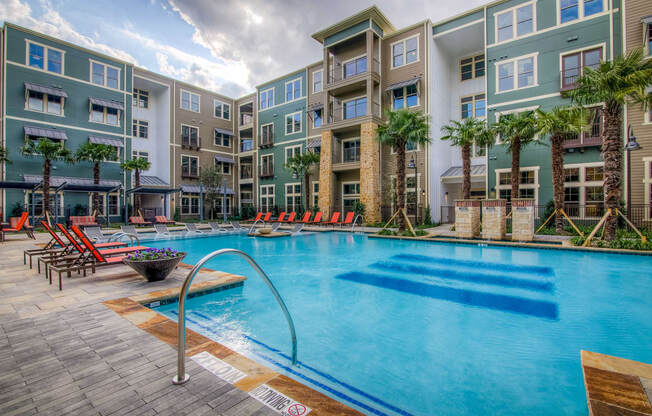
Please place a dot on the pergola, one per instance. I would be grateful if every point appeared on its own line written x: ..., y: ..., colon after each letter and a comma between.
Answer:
x: 144, y: 189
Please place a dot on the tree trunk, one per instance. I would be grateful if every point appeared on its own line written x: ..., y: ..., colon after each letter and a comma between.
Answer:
x: 46, y: 187
x: 557, y: 149
x: 466, y: 171
x: 137, y: 196
x: 516, y: 166
x: 612, y: 155
x: 306, y: 179
x: 96, y: 181
x: 400, y: 183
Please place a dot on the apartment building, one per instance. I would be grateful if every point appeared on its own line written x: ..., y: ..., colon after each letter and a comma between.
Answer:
x: 247, y: 151
x: 513, y: 56
x: 637, y: 33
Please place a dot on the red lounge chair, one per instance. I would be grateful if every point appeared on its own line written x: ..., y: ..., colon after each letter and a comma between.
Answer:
x: 280, y: 218
x: 291, y: 218
x: 267, y: 217
x: 138, y: 220
x: 305, y: 219
x: 348, y: 220
x: 258, y: 216
x: 334, y: 219
x: 17, y: 225
x: 161, y: 219
x: 54, y: 247
x: 83, y: 221
x: 317, y: 219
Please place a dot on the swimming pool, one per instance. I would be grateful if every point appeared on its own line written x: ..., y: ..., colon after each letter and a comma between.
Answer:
x: 417, y: 328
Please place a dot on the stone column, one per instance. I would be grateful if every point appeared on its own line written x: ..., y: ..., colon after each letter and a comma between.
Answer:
x: 494, y: 212
x: 467, y: 218
x: 369, y: 172
x: 326, y: 176
x: 522, y: 219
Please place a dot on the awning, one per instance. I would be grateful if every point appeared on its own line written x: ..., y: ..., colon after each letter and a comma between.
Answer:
x: 152, y: 185
x: 106, y: 140
x: 107, y: 103
x: 195, y: 189
x: 152, y: 181
x: 223, y: 159
x: 57, y: 92
x: 456, y: 171
x: 647, y: 19
x: 313, y: 143
x: 224, y: 131
x: 43, y: 132
x: 75, y: 183
x: 403, y: 84
x: 315, y: 106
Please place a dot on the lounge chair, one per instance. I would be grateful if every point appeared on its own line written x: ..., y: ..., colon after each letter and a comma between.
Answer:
x: 317, y: 219
x: 17, y: 225
x: 161, y: 219
x: 138, y: 220
x: 291, y: 217
x: 95, y: 234
x: 305, y: 219
x: 280, y: 218
x: 258, y: 217
x: 276, y: 226
x: 54, y: 247
x: 295, y: 230
x: 348, y: 220
x: 237, y: 227
x: 334, y: 219
x: 129, y: 229
x: 217, y: 227
x: 83, y: 221
x: 192, y: 228
x: 161, y: 229
x: 267, y: 217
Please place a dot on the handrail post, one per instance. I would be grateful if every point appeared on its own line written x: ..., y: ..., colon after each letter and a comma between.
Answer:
x: 182, y: 376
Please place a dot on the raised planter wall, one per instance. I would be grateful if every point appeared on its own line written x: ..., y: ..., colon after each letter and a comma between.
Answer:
x: 522, y: 219
x: 467, y: 218
x: 494, y: 212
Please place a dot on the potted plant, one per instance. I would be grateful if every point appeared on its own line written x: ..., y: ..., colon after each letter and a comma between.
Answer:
x: 154, y: 264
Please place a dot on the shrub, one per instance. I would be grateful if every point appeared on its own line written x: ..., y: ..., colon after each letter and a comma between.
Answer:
x: 358, y: 208
x: 386, y: 231
x: 427, y: 219
x: 17, y: 210
x: 626, y: 243
x: 177, y: 214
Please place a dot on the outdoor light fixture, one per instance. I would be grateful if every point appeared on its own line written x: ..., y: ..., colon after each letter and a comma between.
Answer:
x: 412, y: 165
x: 632, y: 145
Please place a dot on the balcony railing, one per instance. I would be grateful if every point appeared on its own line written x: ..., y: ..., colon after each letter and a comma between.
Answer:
x: 186, y: 172
x: 246, y: 145
x: 352, y: 111
x: 569, y: 76
x: 246, y: 172
x: 246, y: 118
x: 266, y: 140
x: 353, y: 69
x: 350, y: 155
x: 190, y: 143
x: 591, y: 137
x: 266, y: 170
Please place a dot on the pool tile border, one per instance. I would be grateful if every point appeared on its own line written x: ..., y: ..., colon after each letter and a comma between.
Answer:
x: 136, y: 309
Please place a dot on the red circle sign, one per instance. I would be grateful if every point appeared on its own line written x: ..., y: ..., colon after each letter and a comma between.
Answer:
x: 297, y: 409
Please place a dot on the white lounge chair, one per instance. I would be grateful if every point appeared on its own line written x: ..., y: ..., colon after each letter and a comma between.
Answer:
x: 215, y: 226
x: 192, y: 228
x: 295, y: 230
x: 95, y: 234
x: 161, y: 229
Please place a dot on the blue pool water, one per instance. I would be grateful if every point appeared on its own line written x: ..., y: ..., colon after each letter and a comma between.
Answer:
x: 415, y: 328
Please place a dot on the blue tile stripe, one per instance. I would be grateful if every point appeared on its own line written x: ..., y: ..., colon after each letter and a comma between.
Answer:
x: 506, y: 267
x: 475, y: 277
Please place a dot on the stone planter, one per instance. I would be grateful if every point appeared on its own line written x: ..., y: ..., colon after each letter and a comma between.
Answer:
x: 522, y: 219
x: 493, y: 219
x: 154, y: 270
x: 266, y: 230
x: 467, y: 218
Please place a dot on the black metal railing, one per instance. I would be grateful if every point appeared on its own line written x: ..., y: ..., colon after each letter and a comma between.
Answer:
x: 266, y: 138
x: 266, y: 170
x: 569, y: 76
x: 352, y: 69
x: 246, y: 172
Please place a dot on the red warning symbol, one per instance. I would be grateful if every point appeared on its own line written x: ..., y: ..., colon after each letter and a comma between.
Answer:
x: 297, y: 409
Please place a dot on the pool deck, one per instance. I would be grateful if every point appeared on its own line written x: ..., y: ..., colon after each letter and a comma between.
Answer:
x: 67, y: 352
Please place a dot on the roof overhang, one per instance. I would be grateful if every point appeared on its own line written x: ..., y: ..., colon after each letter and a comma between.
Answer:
x: 369, y: 13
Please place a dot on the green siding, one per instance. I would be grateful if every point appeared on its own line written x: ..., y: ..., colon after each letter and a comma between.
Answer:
x: 460, y: 21
x: 360, y: 27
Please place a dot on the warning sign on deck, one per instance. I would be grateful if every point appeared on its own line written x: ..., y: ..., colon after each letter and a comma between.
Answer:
x: 279, y: 402
x: 218, y: 367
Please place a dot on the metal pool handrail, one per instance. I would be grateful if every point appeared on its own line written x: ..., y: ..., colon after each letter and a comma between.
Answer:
x: 355, y: 220
x: 181, y: 376
x: 118, y: 236
x: 251, y: 230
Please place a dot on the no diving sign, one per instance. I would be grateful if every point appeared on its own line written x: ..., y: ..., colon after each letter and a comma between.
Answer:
x: 279, y: 402
x: 218, y: 367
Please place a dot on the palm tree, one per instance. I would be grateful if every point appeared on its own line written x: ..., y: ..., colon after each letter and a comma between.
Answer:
x: 465, y: 134
x: 300, y: 165
x: 137, y: 165
x: 560, y: 123
x: 50, y: 151
x: 403, y: 127
x: 516, y: 131
x: 96, y: 153
x: 614, y: 83
x: 4, y: 155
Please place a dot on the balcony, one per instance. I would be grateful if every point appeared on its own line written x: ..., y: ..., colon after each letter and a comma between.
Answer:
x: 246, y: 145
x: 246, y: 172
x: 190, y: 143
x: 266, y: 139
x: 341, y: 78
x: 569, y: 77
x: 591, y: 137
x: 186, y: 172
x: 352, y: 110
x: 349, y: 159
x: 266, y: 170
x: 246, y: 119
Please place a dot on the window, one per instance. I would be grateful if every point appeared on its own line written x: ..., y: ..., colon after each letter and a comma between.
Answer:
x: 354, y: 67
x: 317, y: 118
x: 140, y: 128
x: 315, y: 194
x: 583, y: 190
x: 218, y: 205
x: 517, y: 73
x: 572, y: 65
x: 137, y: 154
x: 189, y: 166
x: 528, y: 183
x: 405, y: 97
x: 267, y: 98
x: 472, y: 67
x: 647, y: 183
x: 405, y: 51
x: 189, y: 136
x: 105, y: 75
x: 350, y: 194
x: 473, y: 106
x: 141, y: 98
x: 317, y: 81
x: 267, y: 134
x: 45, y: 103
x: 190, y: 101
x: 38, y: 202
x: 648, y: 38
x: 293, y: 90
x: 572, y: 175
x: 222, y: 139
x: 267, y: 198
x: 222, y: 110
x: 113, y: 203
x: 292, y: 151
x: 293, y: 123
x: 105, y: 115
x: 350, y: 150
x: 354, y: 108
x: 570, y: 10
x: 267, y: 165
x: 520, y: 18
x: 223, y: 167
x: 189, y: 204
x: 292, y: 197
x: 45, y: 58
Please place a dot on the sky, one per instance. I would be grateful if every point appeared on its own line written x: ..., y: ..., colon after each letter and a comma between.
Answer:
x: 227, y: 46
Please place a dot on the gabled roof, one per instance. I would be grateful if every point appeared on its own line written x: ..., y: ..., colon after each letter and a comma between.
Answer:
x: 372, y: 12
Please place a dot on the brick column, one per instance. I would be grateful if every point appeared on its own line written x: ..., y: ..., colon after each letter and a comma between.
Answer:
x: 326, y: 176
x: 369, y: 172
x: 493, y: 219
x: 467, y: 218
x: 522, y: 219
